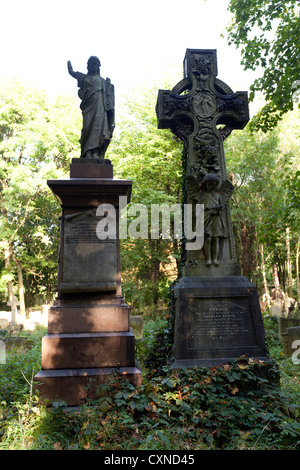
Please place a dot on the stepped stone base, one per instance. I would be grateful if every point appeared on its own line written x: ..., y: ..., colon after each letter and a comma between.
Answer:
x: 76, y: 386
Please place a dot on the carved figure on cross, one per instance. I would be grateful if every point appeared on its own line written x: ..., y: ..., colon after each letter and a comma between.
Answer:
x: 202, y: 111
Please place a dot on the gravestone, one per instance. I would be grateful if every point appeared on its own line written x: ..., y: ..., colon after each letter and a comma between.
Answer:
x: 276, y: 308
x: 98, y: 113
x: 4, y: 323
x: 289, y: 330
x: 217, y: 311
x: 14, y: 311
x: 291, y: 341
x: 288, y: 322
x: 89, y: 336
x: 137, y: 324
x: 17, y: 343
x: 2, y: 351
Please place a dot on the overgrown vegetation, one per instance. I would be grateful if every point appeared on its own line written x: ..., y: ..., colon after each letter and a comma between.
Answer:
x: 227, y: 407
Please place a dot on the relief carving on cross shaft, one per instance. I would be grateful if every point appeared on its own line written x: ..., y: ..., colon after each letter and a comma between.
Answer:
x: 182, y: 128
x: 206, y: 148
x: 214, y: 194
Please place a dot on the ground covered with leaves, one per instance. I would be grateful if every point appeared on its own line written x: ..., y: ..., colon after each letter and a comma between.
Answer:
x: 230, y: 407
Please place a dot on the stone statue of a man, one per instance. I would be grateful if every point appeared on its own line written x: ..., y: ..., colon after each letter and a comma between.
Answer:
x: 97, y: 105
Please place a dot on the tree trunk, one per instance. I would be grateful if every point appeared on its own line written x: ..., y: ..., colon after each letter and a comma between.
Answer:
x: 289, y: 263
x: 248, y: 238
x: 277, y: 290
x: 7, y: 258
x: 263, y: 270
x: 21, y: 286
x: 297, y: 271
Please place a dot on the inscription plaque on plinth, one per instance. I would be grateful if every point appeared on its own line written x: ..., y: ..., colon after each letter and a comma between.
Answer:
x: 217, y: 320
x: 89, y: 263
x: 220, y: 321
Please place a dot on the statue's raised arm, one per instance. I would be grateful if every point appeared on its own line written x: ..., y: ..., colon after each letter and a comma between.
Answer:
x: 70, y: 69
x: 97, y: 105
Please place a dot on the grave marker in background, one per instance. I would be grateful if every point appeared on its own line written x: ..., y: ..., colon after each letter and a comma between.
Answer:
x: 14, y: 311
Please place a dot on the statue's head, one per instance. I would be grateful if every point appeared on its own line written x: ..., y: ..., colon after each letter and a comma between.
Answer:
x: 212, y: 179
x: 93, y: 65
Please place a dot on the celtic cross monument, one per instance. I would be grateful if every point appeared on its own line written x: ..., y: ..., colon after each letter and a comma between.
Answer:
x: 217, y: 317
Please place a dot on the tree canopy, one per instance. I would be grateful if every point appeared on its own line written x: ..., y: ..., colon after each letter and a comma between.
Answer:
x: 268, y: 34
x: 265, y: 170
x: 37, y: 139
x: 151, y: 158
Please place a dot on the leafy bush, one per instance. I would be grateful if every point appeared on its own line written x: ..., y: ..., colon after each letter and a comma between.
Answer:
x: 19, y: 368
x: 226, y: 407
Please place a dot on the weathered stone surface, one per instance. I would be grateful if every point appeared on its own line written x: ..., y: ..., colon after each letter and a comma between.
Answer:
x: 4, y: 323
x: 276, y: 311
x: 192, y: 110
x: 137, y: 323
x: 75, y: 386
x: 289, y: 329
x: 86, y: 262
x: 76, y: 194
x: 89, y: 264
x: 77, y: 319
x: 97, y: 106
x: 217, y: 320
x: 15, y: 342
x: 91, y: 168
x: 77, y: 350
x: 293, y: 342
x: 288, y: 322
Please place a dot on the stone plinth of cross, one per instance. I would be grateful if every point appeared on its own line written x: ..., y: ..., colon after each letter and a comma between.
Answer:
x: 202, y: 111
x: 13, y: 304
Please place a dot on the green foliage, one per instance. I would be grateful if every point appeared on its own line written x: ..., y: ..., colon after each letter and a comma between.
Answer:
x: 289, y: 373
x: 155, y: 349
x: 268, y: 35
x: 226, y: 407
x: 38, y: 136
x: 19, y: 368
x: 264, y: 168
x: 151, y: 158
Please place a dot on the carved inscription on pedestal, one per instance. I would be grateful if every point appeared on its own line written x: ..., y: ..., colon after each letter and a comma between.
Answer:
x: 83, y: 232
x: 217, y: 320
x: 220, y: 323
x: 89, y: 263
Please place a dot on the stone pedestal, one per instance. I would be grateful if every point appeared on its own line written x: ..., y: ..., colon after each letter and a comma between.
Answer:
x: 217, y: 320
x: 89, y: 335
